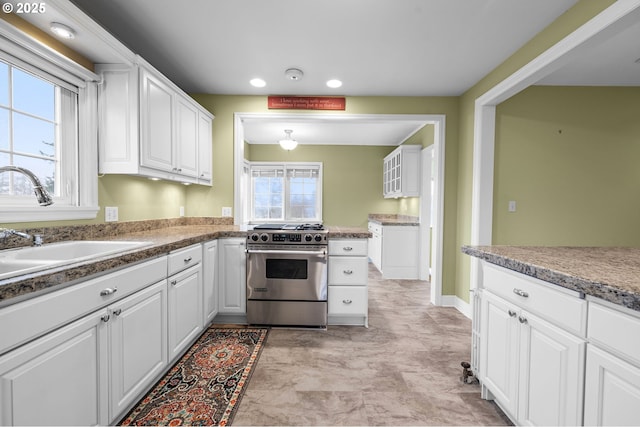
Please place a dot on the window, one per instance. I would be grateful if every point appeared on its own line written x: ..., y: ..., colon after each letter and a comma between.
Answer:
x: 48, y: 122
x: 286, y: 192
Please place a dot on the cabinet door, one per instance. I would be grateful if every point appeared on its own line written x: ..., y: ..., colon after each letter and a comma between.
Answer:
x: 185, y: 309
x: 59, y: 379
x: 186, y: 144
x: 205, y: 160
x: 551, y: 374
x: 499, y: 349
x: 210, y: 280
x: 612, y: 390
x: 232, y: 279
x: 138, y: 331
x: 156, y: 123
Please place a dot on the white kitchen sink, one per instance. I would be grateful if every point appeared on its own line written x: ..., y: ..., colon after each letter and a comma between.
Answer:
x: 15, y: 262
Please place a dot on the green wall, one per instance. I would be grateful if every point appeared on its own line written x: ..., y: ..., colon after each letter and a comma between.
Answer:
x: 569, y: 156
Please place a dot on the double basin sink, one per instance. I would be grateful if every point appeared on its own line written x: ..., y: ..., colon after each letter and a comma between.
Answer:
x: 16, y: 262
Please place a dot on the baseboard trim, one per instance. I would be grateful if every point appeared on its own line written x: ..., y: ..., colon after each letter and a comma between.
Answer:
x: 457, y: 303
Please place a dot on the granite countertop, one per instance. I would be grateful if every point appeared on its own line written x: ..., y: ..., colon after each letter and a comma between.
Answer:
x: 609, y: 273
x: 393, y: 219
x: 162, y: 240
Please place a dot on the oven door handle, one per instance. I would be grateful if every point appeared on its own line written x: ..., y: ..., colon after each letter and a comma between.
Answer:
x: 285, y: 252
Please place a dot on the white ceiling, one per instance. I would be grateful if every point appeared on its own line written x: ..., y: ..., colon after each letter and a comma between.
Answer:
x: 376, y: 47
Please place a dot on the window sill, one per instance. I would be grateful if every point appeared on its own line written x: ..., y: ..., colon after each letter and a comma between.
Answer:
x: 46, y: 213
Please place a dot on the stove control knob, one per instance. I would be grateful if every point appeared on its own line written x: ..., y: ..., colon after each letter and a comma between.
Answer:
x: 255, y: 237
x: 308, y: 237
x: 264, y: 237
x: 318, y: 237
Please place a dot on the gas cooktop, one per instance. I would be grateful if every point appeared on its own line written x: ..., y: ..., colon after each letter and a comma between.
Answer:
x: 289, y: 227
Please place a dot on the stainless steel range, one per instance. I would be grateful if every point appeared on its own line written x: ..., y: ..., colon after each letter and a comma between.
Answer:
x: 287, y: 275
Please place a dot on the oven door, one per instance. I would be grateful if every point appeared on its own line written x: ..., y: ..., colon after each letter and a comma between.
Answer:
x: 283, y: 274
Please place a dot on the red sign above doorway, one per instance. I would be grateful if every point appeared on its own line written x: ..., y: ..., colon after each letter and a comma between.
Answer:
x: 306, y: 102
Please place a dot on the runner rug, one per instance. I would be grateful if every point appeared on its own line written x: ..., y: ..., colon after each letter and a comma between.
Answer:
x: 207, y: 383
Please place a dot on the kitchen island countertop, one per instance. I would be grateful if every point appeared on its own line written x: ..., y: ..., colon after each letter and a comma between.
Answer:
x: 162, y: 240
x: 609, y: 273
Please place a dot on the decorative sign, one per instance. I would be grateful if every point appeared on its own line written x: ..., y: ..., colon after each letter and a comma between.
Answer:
x: 306, y: 102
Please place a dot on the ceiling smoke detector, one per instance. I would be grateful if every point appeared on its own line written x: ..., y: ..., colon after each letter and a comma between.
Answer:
x: 293, y: 74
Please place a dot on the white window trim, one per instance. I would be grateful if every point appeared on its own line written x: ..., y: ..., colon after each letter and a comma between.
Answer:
x: 285, y: 166
x: 40, y: 56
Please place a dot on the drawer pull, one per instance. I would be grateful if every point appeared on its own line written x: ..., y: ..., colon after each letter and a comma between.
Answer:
x: 174, y: 282
x: 520, y: 292
x: 105, y: 318
x: 346, y: 301
x: 523, y: 320
x: 347, y: 248
x: 512, y: 313
x: 108, y: 291
x: 188, y: 260
x: 117, y: 312
x: 347, y: 271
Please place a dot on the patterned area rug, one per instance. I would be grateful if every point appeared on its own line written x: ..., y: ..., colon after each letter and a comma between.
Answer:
x: 207, y: 383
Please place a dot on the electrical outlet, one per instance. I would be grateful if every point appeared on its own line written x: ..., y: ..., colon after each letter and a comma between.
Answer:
x: 181, y: 210
x: 512, y: 205
x: 226, y: 211
x: 110, y: 213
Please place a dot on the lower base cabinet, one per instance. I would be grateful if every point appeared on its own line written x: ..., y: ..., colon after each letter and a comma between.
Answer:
x: 185, y: 309
x: 347, y: 294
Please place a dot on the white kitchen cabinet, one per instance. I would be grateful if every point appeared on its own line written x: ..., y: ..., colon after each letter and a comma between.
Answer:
x: 149, y: 127
x: 137, y: 345
x: 347, y: 293
x: 395, y: 250
x: 58, y: 379
x: 401, y: 172
x: 232, y: 267
x: 210, y: 280
x: 185, y: 298
x: 532, y: 353
x: 612, y: 383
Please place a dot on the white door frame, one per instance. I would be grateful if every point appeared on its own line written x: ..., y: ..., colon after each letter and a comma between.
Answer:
x: 616, y: 17
x: 437, y: 120
x: 426, y: 159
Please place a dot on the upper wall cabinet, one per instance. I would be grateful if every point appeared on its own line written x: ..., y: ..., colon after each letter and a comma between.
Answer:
x: 401, y: 173
x: 149, y: 127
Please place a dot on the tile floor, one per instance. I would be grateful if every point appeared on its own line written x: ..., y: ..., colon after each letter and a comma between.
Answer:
x: 403, y: 370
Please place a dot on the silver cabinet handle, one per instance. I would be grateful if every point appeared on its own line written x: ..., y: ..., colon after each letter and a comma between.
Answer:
x: 105, y: 318
x: 117, y: 312
x: 174, y: 282
x: 512, y: 313
x: 347, y: 248
x: 347, y: 271
x: 188, y: 259
x: 523, y: 320
x: 108, y: 291
x: 346, y: 301
x: 520, y: 292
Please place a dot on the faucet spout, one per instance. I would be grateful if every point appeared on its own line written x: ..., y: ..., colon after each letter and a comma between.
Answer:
x: 44, y: 198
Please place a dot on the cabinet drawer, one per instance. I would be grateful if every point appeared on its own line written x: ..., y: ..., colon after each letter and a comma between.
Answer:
x: 347, y: 300
x: 184, y: 258
x: 41, y: 314
x: 615, y: 330
x: 348, y: 270
x: 351, y: 247
x: 555, y: 304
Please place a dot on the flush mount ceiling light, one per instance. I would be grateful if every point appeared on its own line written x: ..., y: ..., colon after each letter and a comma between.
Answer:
x: 287, y: 143
x: 334, y: 83
x: 257, y: 82
x: 62, y: 30
x: 293, y: 74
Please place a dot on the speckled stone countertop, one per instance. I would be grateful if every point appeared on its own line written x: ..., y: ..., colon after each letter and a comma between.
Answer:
x: 393, y: 219
x: 609, y: 273
x: 163, y: 237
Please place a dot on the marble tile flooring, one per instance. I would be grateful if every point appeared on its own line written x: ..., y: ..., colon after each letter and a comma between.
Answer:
x: 403, y: 370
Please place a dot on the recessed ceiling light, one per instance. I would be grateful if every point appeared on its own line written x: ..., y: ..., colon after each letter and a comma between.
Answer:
x: 257, y: 82
x: 334, y: 83
x: 62, y: 30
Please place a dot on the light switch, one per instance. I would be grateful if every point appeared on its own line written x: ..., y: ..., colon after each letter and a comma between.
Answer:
x: 512, y: 205
x: 110, y: 213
